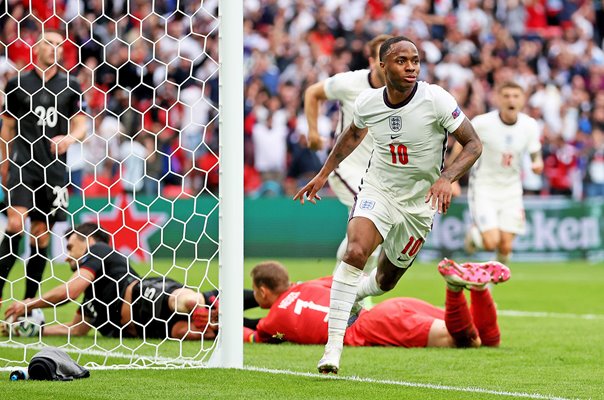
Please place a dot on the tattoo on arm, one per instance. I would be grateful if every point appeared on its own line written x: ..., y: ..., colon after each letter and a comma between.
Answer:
x: 472, y: 148
x: 465, y: 132
x: 345, y: 144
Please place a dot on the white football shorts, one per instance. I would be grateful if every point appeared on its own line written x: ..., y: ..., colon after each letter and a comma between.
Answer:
x: 404, y: 227
x: 493, y: 209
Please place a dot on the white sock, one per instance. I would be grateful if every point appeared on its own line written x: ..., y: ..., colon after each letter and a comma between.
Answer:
x: 342, y: 296
x: 340, y: 253
x: 368, y: 286
x: 504, y: 259
x: 476, y: 236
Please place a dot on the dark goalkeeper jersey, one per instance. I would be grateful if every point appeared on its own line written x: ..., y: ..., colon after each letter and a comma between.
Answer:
x: 104, y: 297
x: 42, y: 110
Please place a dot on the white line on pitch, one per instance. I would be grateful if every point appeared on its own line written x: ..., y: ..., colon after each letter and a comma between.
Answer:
x: 541, y: 314
x: 138, y: 358
x: 408, y: 384
x: 354, y: 379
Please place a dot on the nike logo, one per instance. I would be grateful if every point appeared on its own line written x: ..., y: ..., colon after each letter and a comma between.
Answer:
x: 392, y: 137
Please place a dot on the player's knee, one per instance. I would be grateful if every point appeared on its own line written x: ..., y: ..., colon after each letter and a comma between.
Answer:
x: 489, y: 243
x: 505, y: 248
x: 356, y: 255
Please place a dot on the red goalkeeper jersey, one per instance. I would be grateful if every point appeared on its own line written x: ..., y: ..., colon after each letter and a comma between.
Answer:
x: 300, y: 316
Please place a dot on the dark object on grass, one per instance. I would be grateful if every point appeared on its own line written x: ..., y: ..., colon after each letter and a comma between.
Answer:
x: 53, y: 364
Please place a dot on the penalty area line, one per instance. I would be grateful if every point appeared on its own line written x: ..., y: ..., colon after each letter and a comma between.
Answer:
x: 432, y: 386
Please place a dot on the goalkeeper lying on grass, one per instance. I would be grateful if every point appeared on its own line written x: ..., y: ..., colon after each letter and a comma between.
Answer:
x: 298, y: 312
x: 117, y: 301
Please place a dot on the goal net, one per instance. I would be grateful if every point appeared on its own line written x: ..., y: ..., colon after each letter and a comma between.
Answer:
x: 149, y: 79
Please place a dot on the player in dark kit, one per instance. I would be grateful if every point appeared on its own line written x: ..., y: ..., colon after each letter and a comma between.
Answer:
x: 42, y: 118
x: 117, y: 301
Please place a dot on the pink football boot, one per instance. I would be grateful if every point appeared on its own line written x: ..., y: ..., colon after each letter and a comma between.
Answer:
x: 467, y: 276
x: 499, y: 272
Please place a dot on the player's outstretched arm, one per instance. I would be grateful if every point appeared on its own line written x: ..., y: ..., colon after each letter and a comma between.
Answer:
x: 346, y: 143
x: 441, y: 192
x: 313, y: 96
x: 77, y: 327
x: 70, y: 290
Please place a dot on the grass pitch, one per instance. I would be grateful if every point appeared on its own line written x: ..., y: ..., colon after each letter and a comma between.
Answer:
x: 551, y: 318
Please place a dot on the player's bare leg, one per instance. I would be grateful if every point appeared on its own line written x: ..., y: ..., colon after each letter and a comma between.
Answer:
x: 363, y: 238
x: 491, y: 239
x: 475, y: 240
x: 388, y: 274
x: 505, y: 247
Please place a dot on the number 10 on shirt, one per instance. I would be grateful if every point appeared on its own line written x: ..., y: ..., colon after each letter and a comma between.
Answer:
x: 399, y: 152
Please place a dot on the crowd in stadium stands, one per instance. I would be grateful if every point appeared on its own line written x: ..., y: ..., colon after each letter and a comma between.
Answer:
x: 148, y: 74
x: 553, y: 48
x: 148, y: 88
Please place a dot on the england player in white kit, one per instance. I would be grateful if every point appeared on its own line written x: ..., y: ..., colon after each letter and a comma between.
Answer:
x: 345, y: 88
x: 404, y: 185
x: 495, y: 185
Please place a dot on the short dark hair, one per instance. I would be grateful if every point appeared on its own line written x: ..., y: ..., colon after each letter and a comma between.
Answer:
x: 272, y: 275
x: 374, y: 44
x: 386, y: 45
x: 90, y: 229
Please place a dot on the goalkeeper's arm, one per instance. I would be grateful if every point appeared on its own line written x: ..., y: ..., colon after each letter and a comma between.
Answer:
x: 70, y: 290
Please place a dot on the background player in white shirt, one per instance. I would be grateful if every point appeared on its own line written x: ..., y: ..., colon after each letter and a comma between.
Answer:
x: 495, y: 186
x: 345, y: 88
x: 403, y: 186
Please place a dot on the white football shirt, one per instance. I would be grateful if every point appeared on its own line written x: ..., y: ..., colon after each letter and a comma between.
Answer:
x: 409, y: 139
x: 503, y: 147
x: 345, y: 88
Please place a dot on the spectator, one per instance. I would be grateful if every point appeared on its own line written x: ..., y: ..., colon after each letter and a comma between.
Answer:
x: 552, y: 48
x: 594, y: 178
x: 132, y: 155
x: 269, y: 137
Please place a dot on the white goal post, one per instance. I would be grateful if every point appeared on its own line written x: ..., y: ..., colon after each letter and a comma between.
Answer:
x: 230, y: 344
